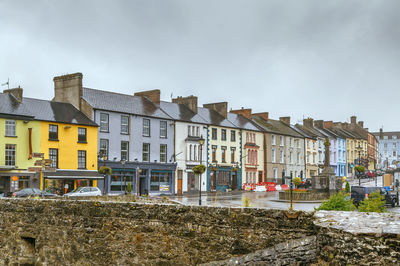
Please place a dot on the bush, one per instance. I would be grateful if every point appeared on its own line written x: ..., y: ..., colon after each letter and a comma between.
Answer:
x: 359, y: 168
x: 338, y: 202
x: 375, y: 203
x: 129, y: 187
x: 199, y: 169
x: 297, y: 181
x: 347, y: 187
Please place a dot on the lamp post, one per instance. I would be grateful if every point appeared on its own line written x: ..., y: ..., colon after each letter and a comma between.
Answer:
x: 123, y: 167
x: 104, y: 158
x: 201, y: 142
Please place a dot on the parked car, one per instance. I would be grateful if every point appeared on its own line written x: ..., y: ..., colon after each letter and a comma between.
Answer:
x: 84, y: 192
x: 358, y: 194
x: 27, y: 192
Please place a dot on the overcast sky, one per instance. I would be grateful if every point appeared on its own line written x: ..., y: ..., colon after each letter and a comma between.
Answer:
x: 321, y: 59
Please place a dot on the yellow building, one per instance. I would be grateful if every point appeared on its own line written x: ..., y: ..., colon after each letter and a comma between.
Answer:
x: 48, y: 145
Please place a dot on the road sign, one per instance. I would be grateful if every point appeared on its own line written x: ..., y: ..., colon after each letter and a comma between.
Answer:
x: 50, y: 169
x: 39, y: 163
x: 14, y: 178
x: 38, y: 155
x: 47, y: 161
x: 35, y: 169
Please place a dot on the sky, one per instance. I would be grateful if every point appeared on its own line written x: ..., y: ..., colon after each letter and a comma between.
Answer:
x: 302, y: 58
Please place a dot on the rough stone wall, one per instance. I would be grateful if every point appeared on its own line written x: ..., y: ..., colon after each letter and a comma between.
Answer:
x: 87, y: 109
x: 110, y: 233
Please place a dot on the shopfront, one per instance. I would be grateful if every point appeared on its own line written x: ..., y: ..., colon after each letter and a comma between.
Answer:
x: 11, y: 182
x: 224, y: 178
x: 142, y: 178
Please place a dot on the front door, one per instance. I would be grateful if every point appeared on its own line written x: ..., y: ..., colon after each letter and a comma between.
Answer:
x: 233, y: 181
x: 260, y: 177
x: 142, y: 186
x: 193, y: 182
x: 180, y: 173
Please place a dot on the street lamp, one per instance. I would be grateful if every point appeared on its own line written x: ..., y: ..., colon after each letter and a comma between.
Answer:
x: 359, y: 148
x: 123, y: 167
x: 104, y: 158
x: 201, y: 142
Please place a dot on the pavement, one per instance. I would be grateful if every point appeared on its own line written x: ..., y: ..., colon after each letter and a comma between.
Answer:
x: 268, y: 200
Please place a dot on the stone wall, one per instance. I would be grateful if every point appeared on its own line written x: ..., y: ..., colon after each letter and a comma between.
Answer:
x: 304, y: 196
x: 68, y: 232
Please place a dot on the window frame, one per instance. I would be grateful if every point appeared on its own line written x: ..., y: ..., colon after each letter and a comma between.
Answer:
x: 13, y: 154
x: 13, y: 127
x: 124, y: 151
x: 148, y: 152
x: 223, y: 154
x: 161, y: 129
x: 233, y: 135
x: 233, y: 151
x: 80, y: 157
x: 214, y: 153
x: 82, y: 138
x: 165, y: 153
x: 107, y: 147
x: 53, y: 135
x: 54, y: 163
x: 146, y: 127
x: 214, y: 133
x: 102, y: 122
x: 123, y: 125
x: 223, y: 134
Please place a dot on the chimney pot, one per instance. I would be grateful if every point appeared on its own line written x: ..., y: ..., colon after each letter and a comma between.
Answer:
x: 264, y: 115
x: 353, y: 119
x: 68, y: 89
x: 152, y: 95
x: 190, y: 102
x: 244, y: 112
x: 285, y: 120
x: 16, y: 92
x: 221, y: 108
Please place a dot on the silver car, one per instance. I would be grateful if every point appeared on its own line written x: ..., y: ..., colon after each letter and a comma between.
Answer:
x: 84, y: 192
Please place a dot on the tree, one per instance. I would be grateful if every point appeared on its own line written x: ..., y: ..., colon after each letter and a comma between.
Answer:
x: 347, y: 187
x: 375, y: 203
x: 337, y: 202
x: 297, y: 181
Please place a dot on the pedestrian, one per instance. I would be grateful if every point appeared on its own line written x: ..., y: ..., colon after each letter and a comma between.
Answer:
x: 369, y: 174
x: 66, y: 188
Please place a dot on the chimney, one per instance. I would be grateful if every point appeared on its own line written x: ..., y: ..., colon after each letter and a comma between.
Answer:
x: 244, y: 112
x: 319, y: 124
x: 345, y: 125
x: 221, y: 108
x: 16, y: 92
x: 353, y: 120
x: 263, y: 115
x: 361, y: 124
x: 309, y: 122
x: 190, y: 102
x: 152, y: 95
x: 68, y: 89
x: 285, y: 120
x: 328, y: 124
x: 337, y: 125
x: 381, y: 133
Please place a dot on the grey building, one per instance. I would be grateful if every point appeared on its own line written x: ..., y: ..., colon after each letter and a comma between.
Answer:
x: 136, y: 137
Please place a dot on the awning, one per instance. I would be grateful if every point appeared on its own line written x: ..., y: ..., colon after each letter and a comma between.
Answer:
x: 73, y: 174
x: 74, y: 177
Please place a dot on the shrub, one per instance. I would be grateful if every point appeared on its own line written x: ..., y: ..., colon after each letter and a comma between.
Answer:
x: 199, y: 169
x: 105, y: 170
x: 129, y: 187
x: 347, y: 187
x: 246, y: 202
x: 359, y: 168
x: 337, y: 202
x: 375, y: 203
x: 297, y: 181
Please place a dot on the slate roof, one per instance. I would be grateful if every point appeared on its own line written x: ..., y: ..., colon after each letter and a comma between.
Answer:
x: 43, y: 110
x: 276, y: 127
x: 56, y: 112
x: 214, y: 118
x: 389, y: 134
x: 242, y: 122
x: 311, y: 131
x: 10, y: 106
x: 303, y: 132
x: 181, y: 112
x: 122, y: 103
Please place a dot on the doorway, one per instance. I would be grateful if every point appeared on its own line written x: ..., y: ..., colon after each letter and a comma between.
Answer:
x: 193, y: 182
x: 234, y: 181
x: 180, y: 173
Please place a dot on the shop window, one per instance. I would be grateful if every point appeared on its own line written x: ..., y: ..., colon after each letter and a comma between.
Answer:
x: 53, y: 132
x: 10, y: 128
x: 81, y: 159
x: 223, y: 178
x: 104, y: 118
x: 160, y: 181
x: 163, y: 153
x: 163, y: 129
x: 10, y: 154
x: 53, y: 156
x: 82, y: 138
x: 124, y: 124
x: 23, y: 182
x: 146, y: 127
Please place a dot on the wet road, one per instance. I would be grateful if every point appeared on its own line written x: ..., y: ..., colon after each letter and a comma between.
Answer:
x: 236, y: 199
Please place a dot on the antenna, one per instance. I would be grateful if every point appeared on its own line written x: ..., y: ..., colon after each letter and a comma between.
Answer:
x: 7, y: 83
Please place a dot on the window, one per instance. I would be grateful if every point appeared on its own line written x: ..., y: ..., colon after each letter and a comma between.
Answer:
x: 223, y: 148
x: 53, y: 132
x: 125, y: 150
x: 281, y: 140
x: 160, y: 181
x: 53, y: 155
x: 104, y: 122
x: 385, y: 137
x: 394, y: 153
x: 281, y: 155
x: 190, y: 152
x: 394, y: 137
x: 385, y: 145
x: 223, y: 134
x: 214, y: 153
x: 189, y: 131
x: 146, y: 152
x: 81, y: 159
x: 163, y: 153
x: 195, y: 152
x: 214, y: 133
x: 146, y: 127
x: 104, y: 148
x: 82, y: 135
x: 275, y: 173
x: 233, y: 135
x: 10, y: 128
x: 290, y: 157
x: 198, y: 131
x: 163, y: 129
x: 233, y: 149
x: 273, y: 155
x: 124, y: 124
x: 394, y: 145
x: 273, y: 141
x: 298, y: 158
x: 10, y: 154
